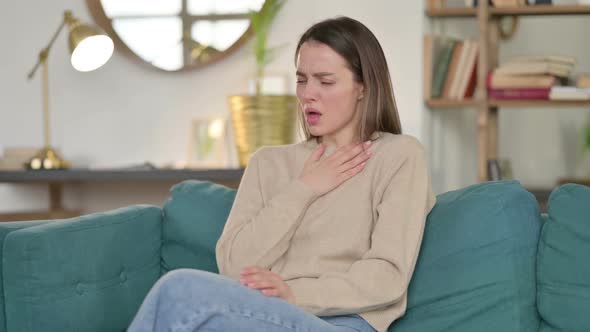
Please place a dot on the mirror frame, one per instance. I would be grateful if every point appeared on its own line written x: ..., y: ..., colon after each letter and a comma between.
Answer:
x: 100, y: 18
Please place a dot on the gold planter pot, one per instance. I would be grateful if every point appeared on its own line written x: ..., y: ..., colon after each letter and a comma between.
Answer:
x: 262, y: 120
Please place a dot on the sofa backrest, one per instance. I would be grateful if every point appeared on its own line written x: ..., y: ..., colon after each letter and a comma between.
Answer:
x: 563, y: 271
x: 194, y: 218
x: 82, y: 274
x: 476, y: 268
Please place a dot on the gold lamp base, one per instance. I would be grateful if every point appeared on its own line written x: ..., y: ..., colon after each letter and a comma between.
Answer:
x: 47, y: 158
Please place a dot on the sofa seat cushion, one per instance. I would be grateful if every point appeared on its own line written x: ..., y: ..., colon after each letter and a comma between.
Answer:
x: 563, y: 274
x: 476, y: 268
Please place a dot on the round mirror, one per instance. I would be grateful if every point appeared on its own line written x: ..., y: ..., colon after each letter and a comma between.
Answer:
x: 175, y: 35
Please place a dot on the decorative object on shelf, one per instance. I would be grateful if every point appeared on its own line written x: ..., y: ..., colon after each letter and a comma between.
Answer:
x: 261, y: 118
x: 90, y: 48
x: 208, y: 146
x: 499, y: 169
x: 14, y: 159
x: 176, y: 35
x: 581, y: 169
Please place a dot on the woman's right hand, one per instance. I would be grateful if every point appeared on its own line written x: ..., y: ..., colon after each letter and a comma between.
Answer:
x: 323, y: 175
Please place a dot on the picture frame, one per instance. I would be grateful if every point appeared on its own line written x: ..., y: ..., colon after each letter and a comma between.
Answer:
x: 208, y: 142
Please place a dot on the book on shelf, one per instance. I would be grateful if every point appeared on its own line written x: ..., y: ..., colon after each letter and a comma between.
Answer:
x: 442, y: 62
x: 474, y: 3
x: 437, y: 4
x: 502, y: 81
x: 520, y: 93
x: 451, y: 77
x: 583, y: 81
x: 539, y: 2
x: 551, y: 58
x: 534, y: 68
x: 450, y: 67
x: 508, y: 3
x: 569, y: 93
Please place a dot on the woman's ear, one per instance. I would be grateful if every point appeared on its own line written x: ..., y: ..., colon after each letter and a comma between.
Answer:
x: 361, y: 92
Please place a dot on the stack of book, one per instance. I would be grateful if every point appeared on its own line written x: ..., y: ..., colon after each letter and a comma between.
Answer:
x: 581, y: 91
x: 529, y: 77
x: 569, y: 93
x: 508, y: 3
x: 450, y: 67
x: 518, y: 3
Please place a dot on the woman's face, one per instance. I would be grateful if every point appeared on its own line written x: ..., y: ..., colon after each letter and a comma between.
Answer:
x: 326, y: 90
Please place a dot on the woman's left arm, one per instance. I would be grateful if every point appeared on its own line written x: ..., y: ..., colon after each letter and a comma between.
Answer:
x: 382, y: 276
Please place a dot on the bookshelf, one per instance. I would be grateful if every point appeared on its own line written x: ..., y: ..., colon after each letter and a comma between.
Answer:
x: 450, y: 103
x: 488, y: 41
x: 518, y: 11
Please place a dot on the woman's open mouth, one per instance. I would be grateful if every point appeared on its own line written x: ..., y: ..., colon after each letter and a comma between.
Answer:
x: 312, y: 116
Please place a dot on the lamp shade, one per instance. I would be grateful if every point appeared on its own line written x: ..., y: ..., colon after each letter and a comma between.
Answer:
x: 90, y: 47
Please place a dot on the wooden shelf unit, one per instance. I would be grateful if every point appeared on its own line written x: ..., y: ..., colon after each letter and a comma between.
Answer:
x: 535, y: 10
x: 487, y: 120
x: 450, y: 103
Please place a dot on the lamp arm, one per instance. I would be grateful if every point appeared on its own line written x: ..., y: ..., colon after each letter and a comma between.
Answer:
x: 45, y: 52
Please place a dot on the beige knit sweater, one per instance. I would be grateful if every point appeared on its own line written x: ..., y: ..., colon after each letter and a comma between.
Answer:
x: 352, y: 250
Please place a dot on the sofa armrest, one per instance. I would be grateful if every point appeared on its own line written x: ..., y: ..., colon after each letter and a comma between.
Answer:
x: 83, y: 274
x: 5, y: 229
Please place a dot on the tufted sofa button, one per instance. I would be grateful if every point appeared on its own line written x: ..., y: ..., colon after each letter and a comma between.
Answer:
x: 79, y: 289
x: 123, y: 276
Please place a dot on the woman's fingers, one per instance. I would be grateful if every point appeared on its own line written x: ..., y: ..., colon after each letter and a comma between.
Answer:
x: 269, y: 283
x: 251, y: 270
x: 351, y: 172
x: 359, y: 159
x: 349, y: 152
x: 262, y: 284
x: 319, y: 151
x: 271, y: 292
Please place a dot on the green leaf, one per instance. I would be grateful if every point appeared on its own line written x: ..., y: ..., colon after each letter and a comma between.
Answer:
x: 260, y: 22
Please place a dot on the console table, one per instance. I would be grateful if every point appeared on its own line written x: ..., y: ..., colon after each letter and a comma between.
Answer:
x: 56, y: 179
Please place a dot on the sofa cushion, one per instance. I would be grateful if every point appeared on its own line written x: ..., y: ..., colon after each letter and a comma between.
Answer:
x: 476, y: 268
x: 563, y: 274
x: 194, y: 218
x: 83, y: 274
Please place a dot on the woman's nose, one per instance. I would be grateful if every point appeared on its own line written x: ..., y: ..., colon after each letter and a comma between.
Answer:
x: 308, y: 92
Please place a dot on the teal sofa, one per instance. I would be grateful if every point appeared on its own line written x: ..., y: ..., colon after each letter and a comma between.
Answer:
x: 489, y: 261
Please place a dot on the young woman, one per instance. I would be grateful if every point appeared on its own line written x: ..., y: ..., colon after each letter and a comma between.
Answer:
x: 324, y: 234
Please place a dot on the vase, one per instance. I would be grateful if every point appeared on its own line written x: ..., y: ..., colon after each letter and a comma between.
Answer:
x: 260, y: 121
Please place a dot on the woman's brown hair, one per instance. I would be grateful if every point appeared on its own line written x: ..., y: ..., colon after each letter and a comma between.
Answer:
x: 365, y: 58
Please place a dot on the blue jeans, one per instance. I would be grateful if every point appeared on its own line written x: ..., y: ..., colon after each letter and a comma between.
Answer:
x: 193, y: 300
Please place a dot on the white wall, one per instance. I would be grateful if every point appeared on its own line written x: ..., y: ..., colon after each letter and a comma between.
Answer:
x: 126, y: 113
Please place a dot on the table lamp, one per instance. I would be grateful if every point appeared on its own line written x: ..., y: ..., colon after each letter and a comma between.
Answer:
x: 90, y: 48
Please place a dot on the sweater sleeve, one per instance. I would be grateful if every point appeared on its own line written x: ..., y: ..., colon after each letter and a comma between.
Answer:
x: 381, y: 277
x: 258, y: 232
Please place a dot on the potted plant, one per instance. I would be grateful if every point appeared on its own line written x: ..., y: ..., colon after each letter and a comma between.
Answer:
x: 583, y: 163
x: 262, y: 119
